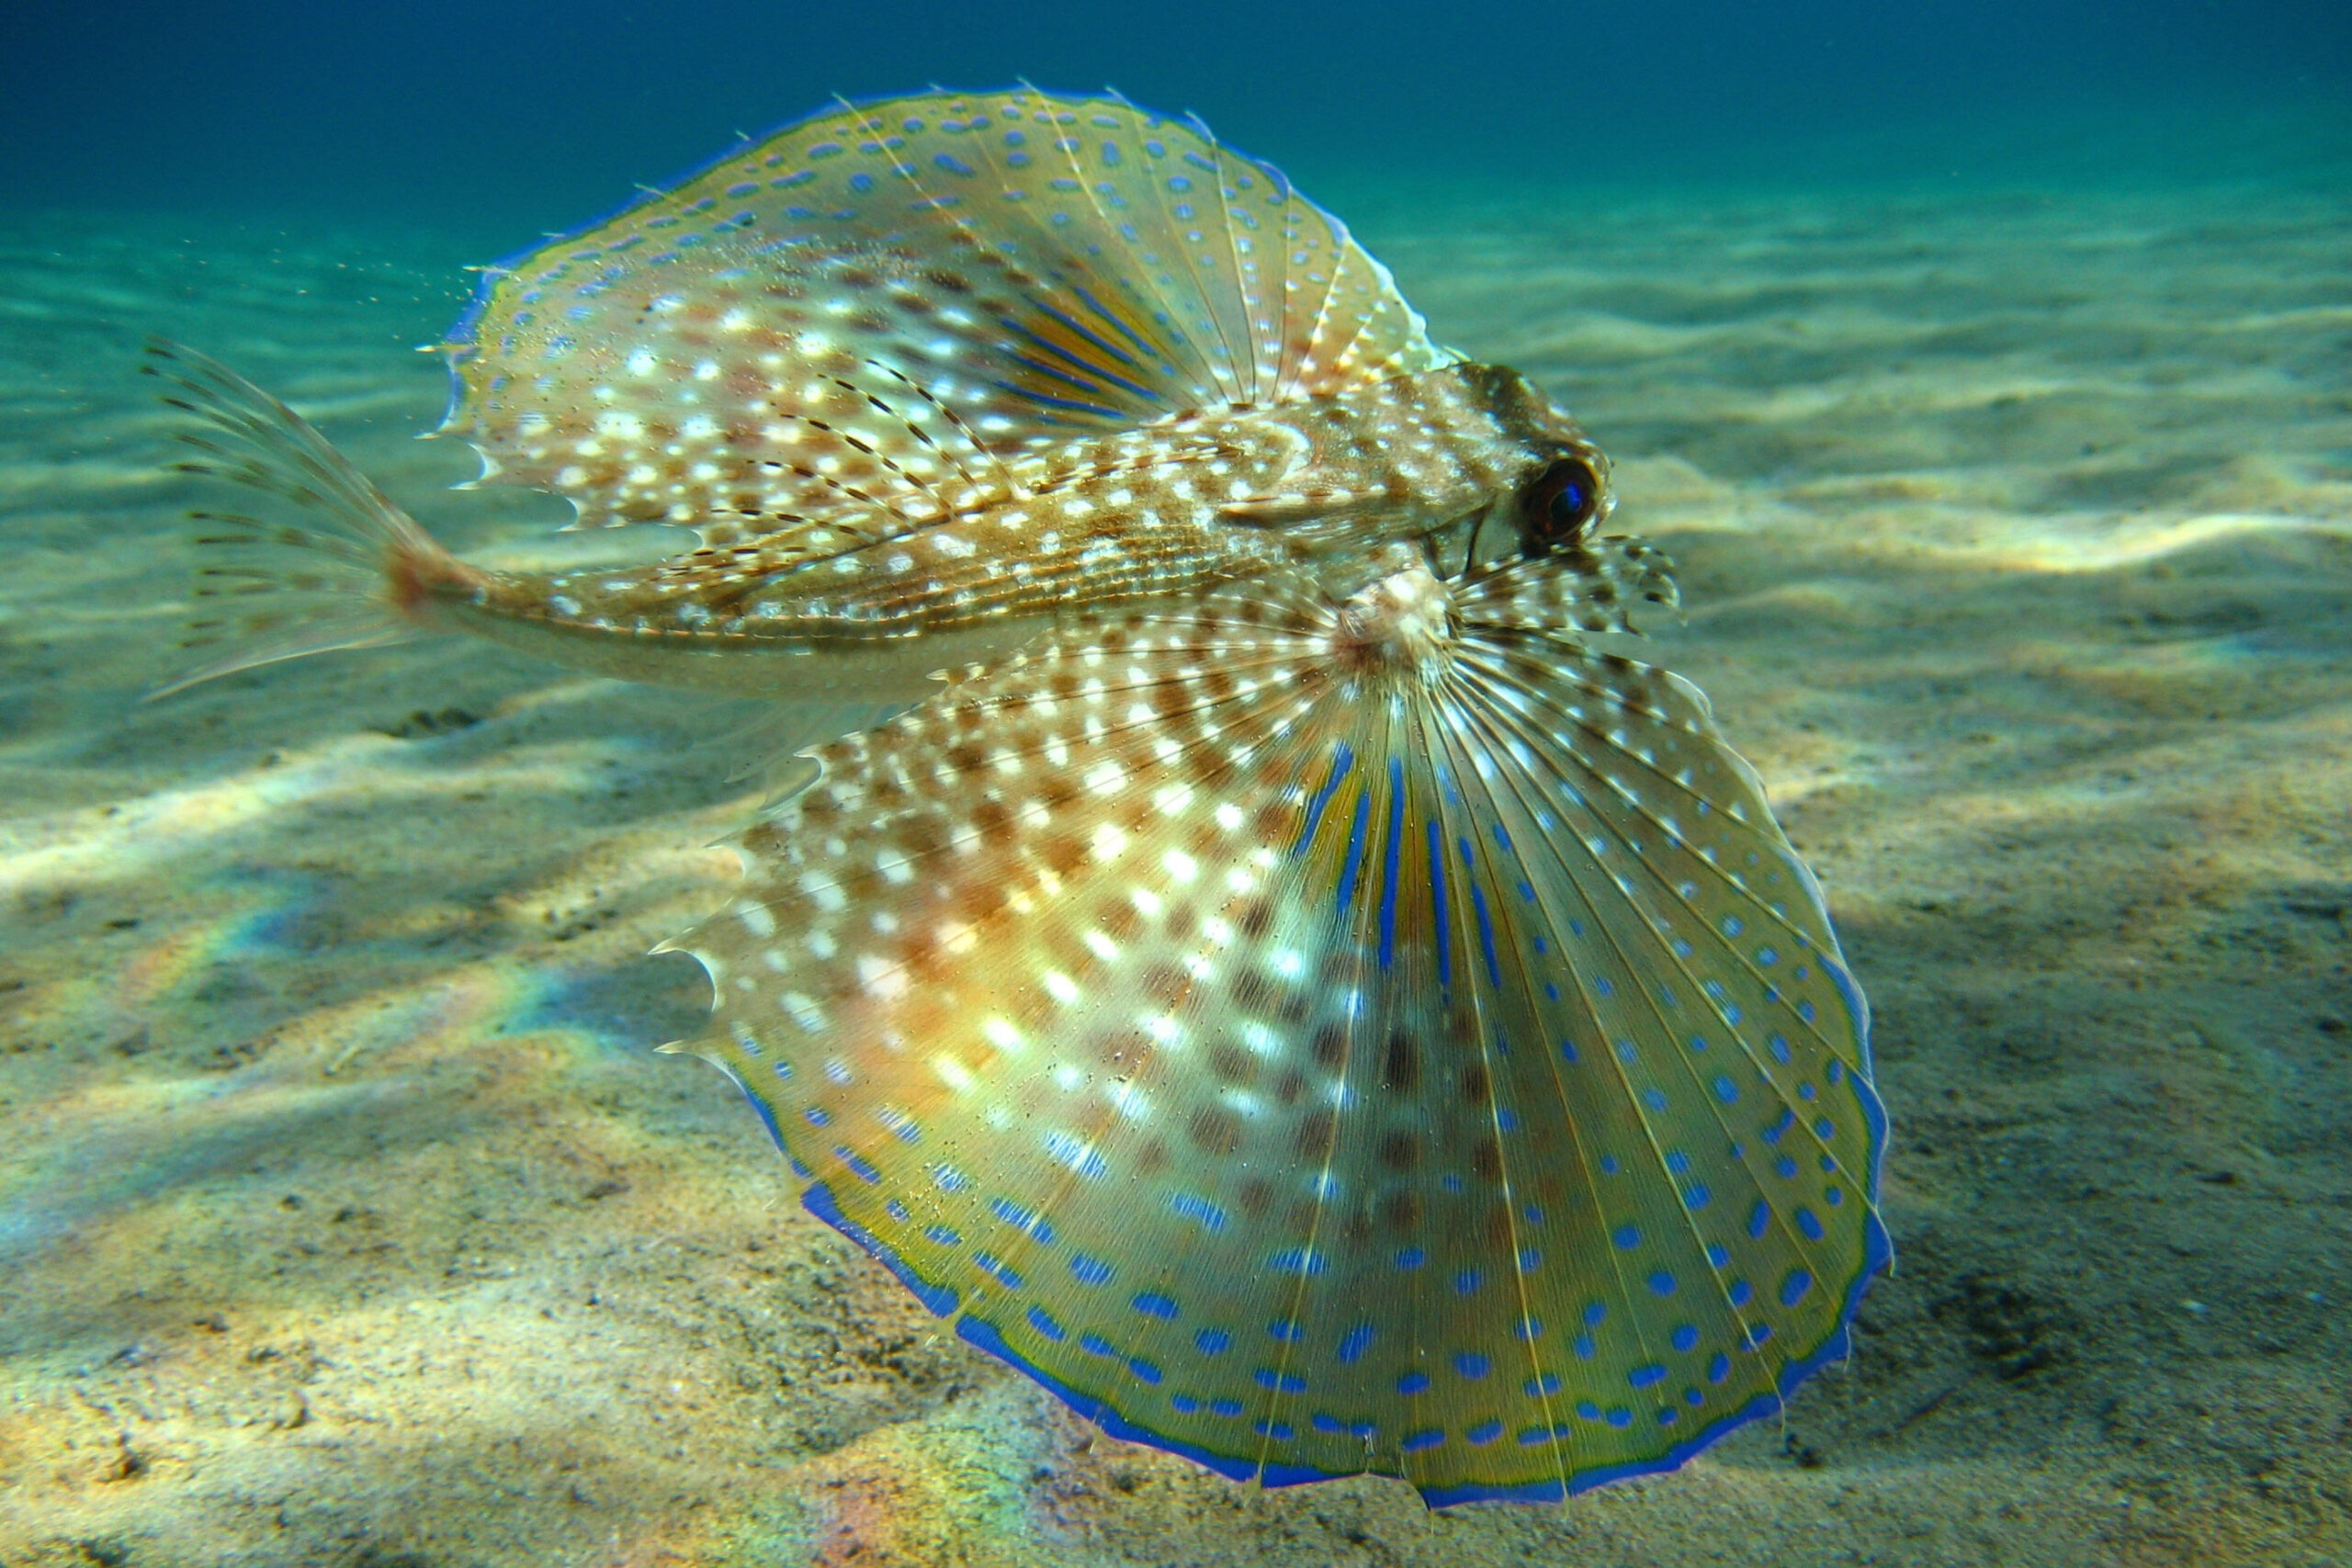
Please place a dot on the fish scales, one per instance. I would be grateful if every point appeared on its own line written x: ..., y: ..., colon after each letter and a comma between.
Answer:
x: 1286, y: 991
x: 1152, y: 512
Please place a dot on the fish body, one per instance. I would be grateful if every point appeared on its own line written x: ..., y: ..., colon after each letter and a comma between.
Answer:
x: 873, y: 597
x: 1279, y: 985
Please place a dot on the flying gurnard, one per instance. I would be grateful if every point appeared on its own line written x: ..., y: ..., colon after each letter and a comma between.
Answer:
x: 1280, y: 983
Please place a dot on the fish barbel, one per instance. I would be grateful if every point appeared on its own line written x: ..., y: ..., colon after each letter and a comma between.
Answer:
x: 1279, y: 986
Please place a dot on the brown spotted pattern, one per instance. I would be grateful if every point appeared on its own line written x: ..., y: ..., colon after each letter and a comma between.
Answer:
x: 1314, y: 485
x: 869, y: 306
x: 1323, y: 1035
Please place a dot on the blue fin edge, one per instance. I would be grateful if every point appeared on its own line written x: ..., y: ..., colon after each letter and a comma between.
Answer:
x: 943, y: 1301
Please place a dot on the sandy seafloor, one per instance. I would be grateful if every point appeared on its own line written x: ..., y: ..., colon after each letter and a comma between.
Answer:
x: 346, y: 1217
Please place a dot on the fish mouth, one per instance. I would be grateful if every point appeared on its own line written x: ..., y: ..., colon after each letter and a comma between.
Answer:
x: 1471, y: 540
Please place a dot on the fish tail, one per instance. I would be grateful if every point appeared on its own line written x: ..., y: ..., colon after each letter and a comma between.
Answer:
x: 358, y: 571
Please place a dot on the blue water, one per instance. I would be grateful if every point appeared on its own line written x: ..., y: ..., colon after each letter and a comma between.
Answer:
x: 538, y: 114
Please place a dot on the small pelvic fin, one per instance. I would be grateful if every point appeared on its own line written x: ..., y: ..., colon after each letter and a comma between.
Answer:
x: 351, y: 576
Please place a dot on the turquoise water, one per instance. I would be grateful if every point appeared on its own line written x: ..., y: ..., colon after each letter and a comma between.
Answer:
x: 2009, y: 474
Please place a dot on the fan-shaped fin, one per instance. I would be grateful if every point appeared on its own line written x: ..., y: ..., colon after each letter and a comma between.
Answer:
x: 1318, y: 1061
x: 873, y: 305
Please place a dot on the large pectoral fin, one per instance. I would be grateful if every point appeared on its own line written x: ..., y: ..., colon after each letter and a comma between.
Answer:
x: 1319, y: 1066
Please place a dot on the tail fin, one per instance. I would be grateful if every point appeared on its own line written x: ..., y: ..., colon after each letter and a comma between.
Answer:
x: 288, y: 589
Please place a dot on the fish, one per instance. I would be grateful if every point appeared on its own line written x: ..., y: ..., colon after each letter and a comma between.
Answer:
x: 1281, y: 979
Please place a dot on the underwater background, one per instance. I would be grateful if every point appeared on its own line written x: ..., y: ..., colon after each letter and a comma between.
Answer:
x: 1986, y: 368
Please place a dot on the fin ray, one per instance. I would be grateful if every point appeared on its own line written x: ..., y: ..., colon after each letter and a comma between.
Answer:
x: 282, y: 590
x: 1316, y: 1069
x: 1037, y: 266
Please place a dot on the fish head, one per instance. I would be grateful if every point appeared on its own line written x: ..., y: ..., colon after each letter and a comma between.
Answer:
x: 1547, y: 488
x: 1471, y: 460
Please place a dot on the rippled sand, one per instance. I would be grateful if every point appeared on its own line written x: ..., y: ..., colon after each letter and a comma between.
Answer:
x: 346, y: 1218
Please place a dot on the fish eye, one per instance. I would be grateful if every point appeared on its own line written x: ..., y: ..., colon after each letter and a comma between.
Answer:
x: 1560, y: 506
